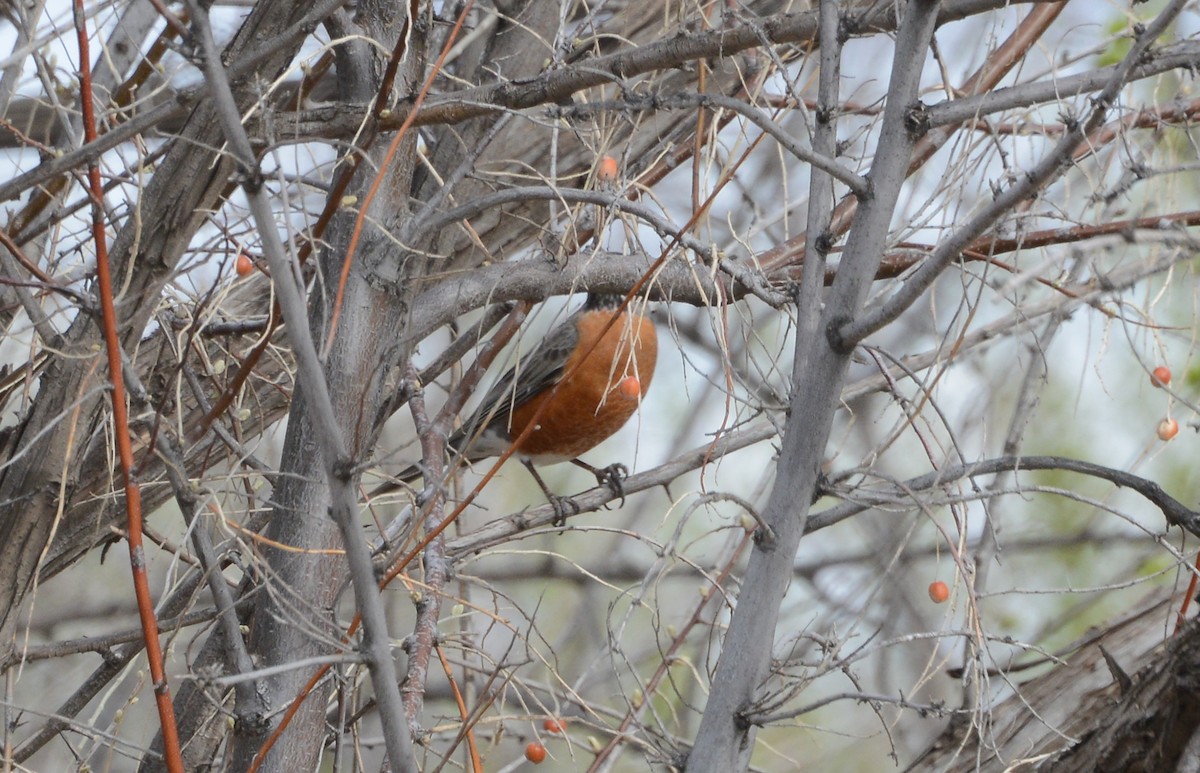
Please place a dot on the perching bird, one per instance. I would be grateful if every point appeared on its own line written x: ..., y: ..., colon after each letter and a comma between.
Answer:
x: 607, y: 373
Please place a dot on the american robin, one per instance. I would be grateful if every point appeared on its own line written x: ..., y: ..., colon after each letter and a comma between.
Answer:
x: 607, y: 370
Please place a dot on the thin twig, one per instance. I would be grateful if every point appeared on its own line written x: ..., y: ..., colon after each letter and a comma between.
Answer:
x: 121, y: 431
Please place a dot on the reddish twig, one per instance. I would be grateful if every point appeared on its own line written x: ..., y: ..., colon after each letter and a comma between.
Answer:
x: 112, y: 343
x: 1049, y: 236
x: 174, y: 23
x: 1181, y: 617
x: 384, y: 166
x: 476, y: 762
x: 125, y: 93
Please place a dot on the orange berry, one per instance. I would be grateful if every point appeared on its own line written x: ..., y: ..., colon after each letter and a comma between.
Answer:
x: 1167, y: 429
x: 535, y: 753
x: 1161, y: 376
x: 244, y: 265
x: 938, y: 592
x: 629, y: 388
x: 606, y: 169
x: 556, y: 726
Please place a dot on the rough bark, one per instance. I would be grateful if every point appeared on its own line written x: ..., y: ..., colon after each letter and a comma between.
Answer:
x: 144, y: 256
x: 1125, y: 699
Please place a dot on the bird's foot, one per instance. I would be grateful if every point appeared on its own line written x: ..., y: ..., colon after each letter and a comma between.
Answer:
x: 614, y: 476
x: 564, y: 507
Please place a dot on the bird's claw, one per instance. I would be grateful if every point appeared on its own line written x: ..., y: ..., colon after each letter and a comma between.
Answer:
x: 563, y: 508
x: 614, y: 476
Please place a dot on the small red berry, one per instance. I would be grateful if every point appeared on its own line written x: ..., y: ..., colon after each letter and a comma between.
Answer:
x: 938, y: 592
x: 629, y: 388
x: 535, y: 753
x: 244, y: 265
x: 606, y: 169
x: 556, y: 726
x: 1167, y: 429
x: 1161, y: 376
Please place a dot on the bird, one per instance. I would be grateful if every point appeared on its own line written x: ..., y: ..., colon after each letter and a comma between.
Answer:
x: 581, y: 384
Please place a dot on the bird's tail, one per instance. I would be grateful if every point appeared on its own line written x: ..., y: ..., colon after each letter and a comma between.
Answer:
x: 415, y: 471
x: 399, y: 481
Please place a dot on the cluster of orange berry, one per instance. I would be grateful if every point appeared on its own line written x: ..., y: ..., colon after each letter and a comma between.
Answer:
x: 535, y: 752
x: 1168, y: 427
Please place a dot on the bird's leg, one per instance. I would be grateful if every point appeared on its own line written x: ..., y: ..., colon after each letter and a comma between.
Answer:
x: 613, y: 476
x: 561, y: 505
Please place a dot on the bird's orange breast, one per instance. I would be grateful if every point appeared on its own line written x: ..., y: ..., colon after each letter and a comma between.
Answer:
x: 597, y: 396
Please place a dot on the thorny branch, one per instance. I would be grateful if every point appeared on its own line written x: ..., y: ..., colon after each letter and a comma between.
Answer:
x: 516, y: 225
